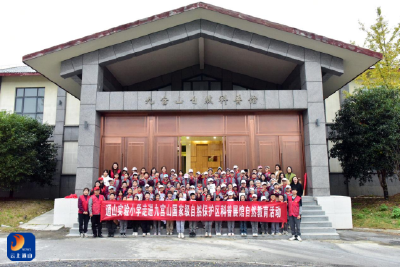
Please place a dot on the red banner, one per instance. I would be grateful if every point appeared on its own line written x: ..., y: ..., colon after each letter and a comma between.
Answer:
x: 194, y: 211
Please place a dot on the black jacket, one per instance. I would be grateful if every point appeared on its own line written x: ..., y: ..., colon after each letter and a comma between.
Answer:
x: 298, y: 187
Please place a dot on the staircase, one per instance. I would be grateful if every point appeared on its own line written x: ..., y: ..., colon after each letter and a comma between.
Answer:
x: 314, y: 225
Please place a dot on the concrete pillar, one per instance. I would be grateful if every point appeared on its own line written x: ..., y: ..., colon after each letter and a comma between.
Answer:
x: 316, y: 152
x: 58, y: 136
x: 89, y: 123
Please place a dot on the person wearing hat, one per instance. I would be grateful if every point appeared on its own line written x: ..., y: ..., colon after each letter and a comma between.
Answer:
x: 110, y: 224
x: 171, y: 174
x: 211, y: 187
x: 264, y: 191
x: 231, y: 224
x: 224, y: 179
x: 232, y: 177
x: 184, y: 194
x: 224, y: 192
x: 267, y: 172
x: 243, y: 186
x: 210, y: 173
x: 165, y: 180
x: 94, y: 211
x: 277, y: 191
x: 274, y: 225
x: 170, y: 224
x: 236, y: 172
x: 191, y: 179
x: 98, y: 184
x: 192, y: 190
x: 285, y: 182
x: 219, y: 170
x: 110, y: 190
x: 289, y: 175
x: 208, y: 224
x: 204, y: 179
x: 161, y: 192
x: 192, y: 224
x: 83, y: 212
x: 241, y: 177
x: 295, y: 210
x: 264, y: 225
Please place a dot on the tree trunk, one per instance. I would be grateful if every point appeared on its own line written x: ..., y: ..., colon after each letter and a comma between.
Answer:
x: 11, y: 193
x: 383, y: 182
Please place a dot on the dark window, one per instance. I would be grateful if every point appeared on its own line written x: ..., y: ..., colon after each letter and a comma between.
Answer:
x: 30, y: 102
x: 201, y: 83
x: 237, y: 87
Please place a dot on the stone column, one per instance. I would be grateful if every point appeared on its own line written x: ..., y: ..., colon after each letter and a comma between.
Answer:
x: 59, y: 140
x: 316, y: 152
x: 89, y: 123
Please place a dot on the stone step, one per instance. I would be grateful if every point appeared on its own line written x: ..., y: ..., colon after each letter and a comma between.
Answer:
x: 309, y: 203
x: 313, y: 218
x: 313, y: 212
x: 312, y: 207
x: 320, y: 236
x: 307, y: 230
x: 307, y: 198
x: 316, y: 224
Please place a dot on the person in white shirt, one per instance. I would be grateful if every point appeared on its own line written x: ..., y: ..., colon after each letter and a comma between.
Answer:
x: 106, y: 178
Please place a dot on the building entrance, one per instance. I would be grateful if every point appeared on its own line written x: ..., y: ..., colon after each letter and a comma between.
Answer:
x: 201, y: 153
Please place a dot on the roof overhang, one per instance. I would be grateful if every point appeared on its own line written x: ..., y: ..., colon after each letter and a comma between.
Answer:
x: 355, y: 59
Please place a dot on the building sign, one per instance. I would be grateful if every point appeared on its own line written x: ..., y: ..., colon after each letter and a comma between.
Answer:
x: 194, y: 211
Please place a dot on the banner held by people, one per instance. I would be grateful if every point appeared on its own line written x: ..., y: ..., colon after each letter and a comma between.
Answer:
x: 194, y: 211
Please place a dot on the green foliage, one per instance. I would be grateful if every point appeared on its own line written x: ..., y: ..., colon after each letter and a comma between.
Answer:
x: 396, y: 213
x: 360, y: 216
x: 26, y: 155
x: 386, y: 41
x: 366, y: 135
x: 383, y: 207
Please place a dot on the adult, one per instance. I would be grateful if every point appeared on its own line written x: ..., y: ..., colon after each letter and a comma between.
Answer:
x: 289, y: 175
x: 83, y: 212
x: 94, y: 211
x: 142, y: 172
x: 278, y: 170
x: 153, y: 172
x: 106, y: 178
x: 114, y: 170
x: 297, y: 185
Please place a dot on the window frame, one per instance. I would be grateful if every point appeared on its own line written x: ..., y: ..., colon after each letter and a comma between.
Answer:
x: 209, y: 82
x: 23, y: 97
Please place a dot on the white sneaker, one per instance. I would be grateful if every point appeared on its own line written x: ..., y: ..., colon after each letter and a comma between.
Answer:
x: 233, y: 234
x: 272, y: 233
x: 254, y: 234
x: 229, y: 234
x: 179, y: 235
x: 292, y: 238
x: 245, y: 234
x: 148, y: 234
x: 144, y: 234
x: 279, y: 233
x: 182, y: 235
x: 299, y: 238
x: 159, y: 233
x: 136, y: 233
x: 206, y: 234
x: 242, y: 234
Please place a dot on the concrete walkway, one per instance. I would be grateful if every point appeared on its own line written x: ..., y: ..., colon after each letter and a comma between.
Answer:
x: 43, y: 222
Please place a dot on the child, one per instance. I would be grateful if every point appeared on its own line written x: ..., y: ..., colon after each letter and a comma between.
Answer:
x: 94, y: 211
x: 264, y: 225
x: 146, y: 223
x: 123, y: 224
x: 111, y: 226
x: 254, y: 224
x: 231, y: 224
x: 83, y: 212
x: 208, y: 223
x: 192, y: 224
x: 135, y: 224
x: 180, y: 225
x: 218, y: 224
x: 274, y: 225
x: 243, y: 224
x: 157, y: 224
x: 281, y: 229
x: 295, y: 207
x: 170, y: 224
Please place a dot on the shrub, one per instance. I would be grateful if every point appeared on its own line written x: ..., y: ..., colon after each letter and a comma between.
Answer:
x: 360, y: 216
x: 383, y: 207
x: 396, y: 213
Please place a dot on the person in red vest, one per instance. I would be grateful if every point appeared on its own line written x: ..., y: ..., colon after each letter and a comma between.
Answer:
x: 295, y: 209
x: 83, y: 212
x: 114, y: 170
x: 94, y: 211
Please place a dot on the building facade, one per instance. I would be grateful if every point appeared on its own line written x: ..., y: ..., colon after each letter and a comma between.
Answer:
x: 195, y: 87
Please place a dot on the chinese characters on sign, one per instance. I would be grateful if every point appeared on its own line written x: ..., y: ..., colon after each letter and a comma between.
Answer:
x: 199, y: 211
x: 208, y: 100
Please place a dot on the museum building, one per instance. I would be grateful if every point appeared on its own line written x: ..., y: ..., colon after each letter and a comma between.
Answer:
x: 197, y: 87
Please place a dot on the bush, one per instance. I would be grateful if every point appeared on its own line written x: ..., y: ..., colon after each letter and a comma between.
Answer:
x: 360, y: 216
x: 396, y: 213
x: 383, y: 207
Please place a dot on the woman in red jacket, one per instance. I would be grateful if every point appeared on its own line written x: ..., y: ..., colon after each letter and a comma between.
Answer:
x: 83, y: 212
x: 114, y: 170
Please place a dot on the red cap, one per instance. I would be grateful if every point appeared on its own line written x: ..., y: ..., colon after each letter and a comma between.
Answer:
x: 96, y: 188
x: 101, y: 178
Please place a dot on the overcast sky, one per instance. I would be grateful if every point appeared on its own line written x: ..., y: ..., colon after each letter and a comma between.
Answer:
x: 30, y: 26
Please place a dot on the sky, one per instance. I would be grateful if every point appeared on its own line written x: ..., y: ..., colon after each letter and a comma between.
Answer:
x: 30, y: 26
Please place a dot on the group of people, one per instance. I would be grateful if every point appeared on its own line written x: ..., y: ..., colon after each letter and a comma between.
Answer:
x: 260, y: 185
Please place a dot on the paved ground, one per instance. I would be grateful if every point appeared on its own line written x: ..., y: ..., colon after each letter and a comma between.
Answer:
x: 43, y: 222
x: 356, y: 248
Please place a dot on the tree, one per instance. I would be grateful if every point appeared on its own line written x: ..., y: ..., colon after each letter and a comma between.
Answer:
x: 381, y: 38
x: 25, y: 153
x: 366, y: 135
